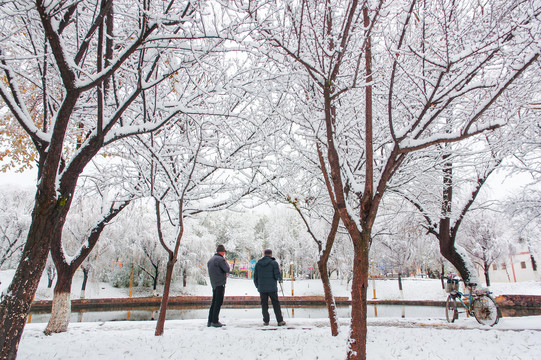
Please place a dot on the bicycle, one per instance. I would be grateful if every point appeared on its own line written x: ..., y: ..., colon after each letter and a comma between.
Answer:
x: 479, y: 304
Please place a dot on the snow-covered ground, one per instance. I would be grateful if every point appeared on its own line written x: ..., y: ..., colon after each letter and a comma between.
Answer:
x: 308, y: 339
x: 303, y: 338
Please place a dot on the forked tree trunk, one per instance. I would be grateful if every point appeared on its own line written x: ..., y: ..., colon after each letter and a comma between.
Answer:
x: 359, y: 291
x: 61, y: 308
x: 448, y: 250
x: 323, y: 261
x: 58, y: 322
x: 165, y: 297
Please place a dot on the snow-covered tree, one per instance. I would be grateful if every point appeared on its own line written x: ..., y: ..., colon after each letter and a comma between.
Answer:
x: 78, y: 77
x: 85, y: 225
x: 488, y: 238
x: 201, y: 163
x: 14, y: 223
x: 379, y: 81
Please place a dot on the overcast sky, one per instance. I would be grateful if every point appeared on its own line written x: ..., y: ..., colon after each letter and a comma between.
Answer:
x: 26, y: 179
x: 499, y: 186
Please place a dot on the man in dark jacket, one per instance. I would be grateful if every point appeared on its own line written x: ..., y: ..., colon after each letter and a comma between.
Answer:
x: 218, y: 269
x: 266, y: 274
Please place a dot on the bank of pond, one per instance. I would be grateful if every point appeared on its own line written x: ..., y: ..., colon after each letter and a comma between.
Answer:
x: 232, y: 312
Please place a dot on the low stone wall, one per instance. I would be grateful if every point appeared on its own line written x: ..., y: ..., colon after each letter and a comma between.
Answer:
x: 519, y: 301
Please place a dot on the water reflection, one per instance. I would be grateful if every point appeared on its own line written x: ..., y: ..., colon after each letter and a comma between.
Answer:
x: 245, y: 312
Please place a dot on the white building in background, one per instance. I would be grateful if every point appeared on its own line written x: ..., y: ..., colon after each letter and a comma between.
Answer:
x: 518, y: 267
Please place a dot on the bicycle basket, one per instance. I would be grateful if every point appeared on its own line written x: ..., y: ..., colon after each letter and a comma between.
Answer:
x: 452, y: 285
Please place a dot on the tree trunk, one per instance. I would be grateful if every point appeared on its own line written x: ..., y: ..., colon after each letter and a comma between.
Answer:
x: 83, y: 286
x: 16, y: 301
x: 184, y: 277
x: 165, y: 297
x: 329, y: 298
x: 61, y: 301
x: 155, y: 280
x: 448, y: 250
x: 359, y: 290
x: 61, y: 308
x: 51, y: 274
x: 323, y: 271
x: 442, y: 276
x: 486, y: 269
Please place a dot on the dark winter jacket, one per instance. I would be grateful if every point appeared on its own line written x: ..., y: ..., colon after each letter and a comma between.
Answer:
x: 266, y: 274
x: 218, y: 269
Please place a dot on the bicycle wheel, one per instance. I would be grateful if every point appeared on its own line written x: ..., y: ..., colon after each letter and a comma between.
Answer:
x: 485, y: 310
x: 451, y: 311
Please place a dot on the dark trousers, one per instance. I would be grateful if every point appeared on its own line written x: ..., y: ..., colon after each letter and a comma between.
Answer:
x: 275, y: 305
x: 217, y: 301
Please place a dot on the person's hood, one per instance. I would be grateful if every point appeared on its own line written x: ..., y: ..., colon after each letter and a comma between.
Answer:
x: 266, y: 260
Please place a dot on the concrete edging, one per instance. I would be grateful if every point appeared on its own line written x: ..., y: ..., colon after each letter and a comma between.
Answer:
x: 504, y: 301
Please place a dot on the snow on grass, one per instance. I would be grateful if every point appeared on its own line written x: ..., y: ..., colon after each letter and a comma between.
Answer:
x: 300, y: 339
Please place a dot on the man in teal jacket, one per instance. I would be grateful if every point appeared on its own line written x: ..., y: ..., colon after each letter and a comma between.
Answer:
x: 266, y: 274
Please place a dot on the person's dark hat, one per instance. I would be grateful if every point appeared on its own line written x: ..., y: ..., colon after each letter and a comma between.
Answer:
x: 268, y: 252
x: 220, y: 248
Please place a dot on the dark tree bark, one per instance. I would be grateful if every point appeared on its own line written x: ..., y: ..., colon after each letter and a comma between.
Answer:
x: 85, y: 280
x: 155, y: 280
x: 165, y: 297
x: 359, y: 297
x: 486, y: 269
x: 15, y: 306
x: 172, y: 259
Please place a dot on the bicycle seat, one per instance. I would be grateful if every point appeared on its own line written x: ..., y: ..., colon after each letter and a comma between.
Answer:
x: 471, y: 284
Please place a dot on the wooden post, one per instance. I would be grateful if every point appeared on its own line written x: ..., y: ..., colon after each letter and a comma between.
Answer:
x: 131, y: 289
x: 292, y: 279
x: 131, y: 281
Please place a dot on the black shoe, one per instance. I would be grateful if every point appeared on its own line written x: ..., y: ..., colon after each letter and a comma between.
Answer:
x: 208, y: 324
x: 281, y: 323
x: 217, y: 324
x: 266, y: 323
